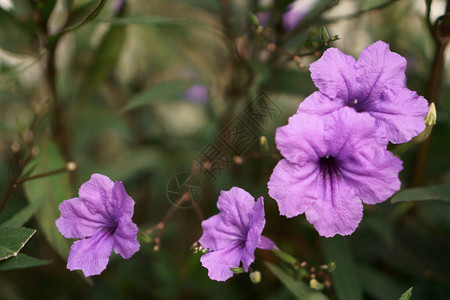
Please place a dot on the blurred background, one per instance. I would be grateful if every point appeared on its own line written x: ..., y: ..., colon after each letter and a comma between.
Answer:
x: 142, y: 91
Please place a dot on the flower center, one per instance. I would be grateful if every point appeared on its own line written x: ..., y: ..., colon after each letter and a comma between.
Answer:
x: 356, y: 105
x: 328, y: 166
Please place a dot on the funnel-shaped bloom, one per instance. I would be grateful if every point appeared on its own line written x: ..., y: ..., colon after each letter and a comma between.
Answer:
x: 233, y: 235
x: 332, y: 163
x: 101, y: 218
x: 376, y: 84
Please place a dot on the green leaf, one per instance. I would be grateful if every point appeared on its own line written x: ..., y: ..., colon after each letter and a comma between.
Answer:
x: 285, y: 256
x: 12, y: 241
x: 437, y: 192
x: 106, y: 56
x: 48, y: 193
x: 46, y: 8
x: 376, y: 284
x: 345, y: 276
x: 22, y: 261
x: 22, y: 216
x: 406, y: 295
x: 298, y: 288
x: 16, y: 36
x: 170, y: 90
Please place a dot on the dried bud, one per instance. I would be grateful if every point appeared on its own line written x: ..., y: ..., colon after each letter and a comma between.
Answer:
x: 34, y: 151
x: 71, y: 166
x: 15, y: 147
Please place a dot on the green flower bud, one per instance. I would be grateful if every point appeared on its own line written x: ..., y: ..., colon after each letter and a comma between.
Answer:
x: 255, y: 277
x: 324, y: 36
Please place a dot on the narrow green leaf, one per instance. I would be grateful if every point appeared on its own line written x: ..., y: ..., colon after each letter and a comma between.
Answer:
x: 22, y: 261
x: 48, y: 193
x: 12, y: 241
x: 406, y: 295
x: 345, y: 276
x: 298, y: 288
x: 170, y: 90
x: 376, y: 284
x: 437, y: 192
x: 22, y: 216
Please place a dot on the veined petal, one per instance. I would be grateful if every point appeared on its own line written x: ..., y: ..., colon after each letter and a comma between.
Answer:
x: 77, y: 221
x: 97, y: 194
x: 125, y: 238
x: 91, y: 255
x: 294, y: 187
x: 334, y: 74
x: 319, y: 104
x: 337, y: 211
x: 219, y: 262
x: 373, y: 175
x: 301, y: 141
x: 256, y: 226
x: 349, y: 132
x: 218, y: 235
x: 377, y: 70
x: 235, y: 206
x: 400, y: 114
x: 123, y: 204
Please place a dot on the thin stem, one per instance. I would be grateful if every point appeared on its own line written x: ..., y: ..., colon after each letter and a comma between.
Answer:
x: 19, y: 182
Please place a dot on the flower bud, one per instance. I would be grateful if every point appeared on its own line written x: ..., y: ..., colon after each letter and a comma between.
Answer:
x: 255, y: 277
x: 315, y: 284
x: 237, y: 270
x: 324, y: 36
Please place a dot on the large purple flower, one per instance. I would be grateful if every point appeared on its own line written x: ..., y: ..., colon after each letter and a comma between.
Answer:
x: 232, y: 236
x: 101, y: 218
x: 332, y: 163
x: 375, y: 84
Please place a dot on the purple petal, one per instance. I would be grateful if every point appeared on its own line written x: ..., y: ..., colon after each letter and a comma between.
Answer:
x: 377, y: 70
x: 91, y: 255
x: 218, y: 235
x: 334, y: 75
x: 297, y: 10
x: 349, y: 132
x: 338, y: 211
x: 96, y: 192
x: 319, y: 104
x: 235, y: 206
x: 373, y: 175
x: 256, y: 226
x: 294, y: 187
x: 266, y: 243
x: 122, y: 203
x: 301, y: 140
x: 125, y: 238
x: 400, y: 114
x: 219, y: 262
x: 77, y: 221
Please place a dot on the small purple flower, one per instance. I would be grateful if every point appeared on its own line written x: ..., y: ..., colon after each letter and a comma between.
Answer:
x: 232, y: 236
x: 333, y: 162
x: 376, y: 84
x: 101, y: 218
x: 297, y: 10
x: 197, y: 93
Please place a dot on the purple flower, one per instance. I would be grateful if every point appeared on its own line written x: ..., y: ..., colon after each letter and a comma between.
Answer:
x: 333, y: 162
x: 101, y: 218
x: 233, y: 235
x: 374, y: 84
x: 297, y: 10
x: 197, y: 93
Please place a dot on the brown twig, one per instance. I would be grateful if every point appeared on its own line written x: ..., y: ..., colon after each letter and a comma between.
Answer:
x: 433, y: 91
